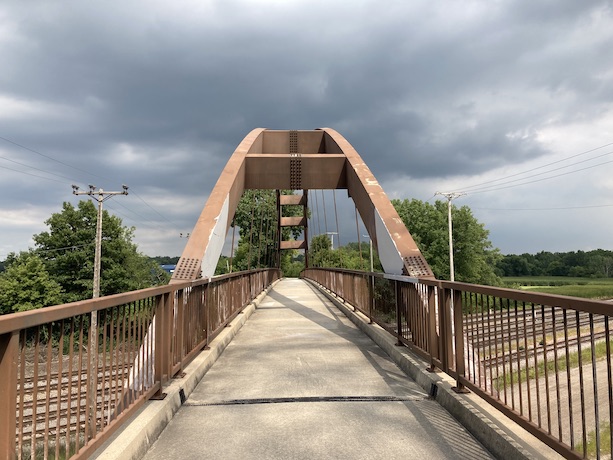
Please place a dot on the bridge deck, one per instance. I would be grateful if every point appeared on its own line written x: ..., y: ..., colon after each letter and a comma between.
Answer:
x: 300, y: 381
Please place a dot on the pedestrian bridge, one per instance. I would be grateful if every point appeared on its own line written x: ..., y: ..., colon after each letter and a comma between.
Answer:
x: 300, y: 380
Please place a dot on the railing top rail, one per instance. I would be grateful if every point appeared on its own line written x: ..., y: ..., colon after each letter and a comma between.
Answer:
x: 26, y: 319
x: 600, y: 307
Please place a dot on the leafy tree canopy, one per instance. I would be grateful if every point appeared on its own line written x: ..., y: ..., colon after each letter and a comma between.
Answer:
x: 474, y: 256
x: 67, y: 250
x: 256, y: 217
x: 594, y: 264
x: 26, y: 284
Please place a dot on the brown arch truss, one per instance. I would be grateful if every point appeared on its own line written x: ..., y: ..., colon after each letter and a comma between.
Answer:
x: 299, y: 160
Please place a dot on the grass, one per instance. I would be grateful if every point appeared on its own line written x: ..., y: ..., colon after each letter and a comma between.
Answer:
x: 590, y: 288
x: 605, y: 441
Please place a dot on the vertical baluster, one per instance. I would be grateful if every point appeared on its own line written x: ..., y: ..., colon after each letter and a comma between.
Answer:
x: 526, y: 358
x: 579, y: 352
x: 609, y: 380
x: 35, y: 393
x: 595, y: 383
x: 497, y: 357
x: 47, y: 413
x: 557, y: 371
x: 489, y: 344
x: 536, y: 366
x: 518, y: 355
x: 546, y: 369
x: 568, y: 379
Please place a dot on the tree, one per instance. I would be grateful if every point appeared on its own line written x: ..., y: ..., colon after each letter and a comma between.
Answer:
x: 474, y: 256
x: 26, y: 284
x: 348, y: 256
x: 67, y: 250
x: 256, y: 217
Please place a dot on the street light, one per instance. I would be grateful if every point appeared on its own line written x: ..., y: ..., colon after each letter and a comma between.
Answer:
x: 332, y: 239
x: 372, y: 269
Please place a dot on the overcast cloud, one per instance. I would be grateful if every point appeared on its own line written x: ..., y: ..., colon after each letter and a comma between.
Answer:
x: 435, y: 96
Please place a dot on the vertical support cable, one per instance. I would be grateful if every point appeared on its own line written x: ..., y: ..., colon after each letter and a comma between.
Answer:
x: 338, y: 234
x: 318, y: 215
x: 251, y: 232
x: 357, y: 229
x: 232, y: 247
x: 260, y: 237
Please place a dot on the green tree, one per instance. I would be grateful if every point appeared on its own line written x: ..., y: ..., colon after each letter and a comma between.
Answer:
x: 26, y: 284
x: 474, y: 256
x: 348, y: 256
x: 68, y: 248
x: 256, y: 217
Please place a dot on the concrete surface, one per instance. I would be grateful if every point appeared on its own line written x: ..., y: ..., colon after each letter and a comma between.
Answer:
x: 301, y: 381
x: 304, y: 422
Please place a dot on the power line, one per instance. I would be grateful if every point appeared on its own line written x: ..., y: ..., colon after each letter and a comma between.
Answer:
x: 33, y: 167
x: 561, y: 208
x: 71, y: 180
x: 537, y: 180
x: 33, y: 175
x: 544, y: 166
x: 51, y: 158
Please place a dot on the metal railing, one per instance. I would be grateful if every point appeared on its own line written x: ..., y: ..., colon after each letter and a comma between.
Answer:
x: 543, y: 360
x: 65, y: 388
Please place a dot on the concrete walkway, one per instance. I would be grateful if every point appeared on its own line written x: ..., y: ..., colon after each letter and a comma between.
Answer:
x: 301, y: 381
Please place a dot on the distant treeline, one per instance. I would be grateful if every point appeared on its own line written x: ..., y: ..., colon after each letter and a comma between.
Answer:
x: 165, y: 260
x: 593, y: 264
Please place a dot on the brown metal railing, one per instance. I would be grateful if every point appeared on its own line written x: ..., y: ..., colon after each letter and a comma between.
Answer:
x: 543, y: 360
x: 64, y: 390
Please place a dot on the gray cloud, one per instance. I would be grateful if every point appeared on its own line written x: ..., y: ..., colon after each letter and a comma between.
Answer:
x: 158, y: 95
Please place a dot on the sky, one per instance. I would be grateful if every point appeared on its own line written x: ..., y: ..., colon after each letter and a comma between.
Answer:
x: 509, y: 102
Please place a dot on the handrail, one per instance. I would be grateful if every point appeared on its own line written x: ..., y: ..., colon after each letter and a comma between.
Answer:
x: 544, y: 360
x: 64, y: 393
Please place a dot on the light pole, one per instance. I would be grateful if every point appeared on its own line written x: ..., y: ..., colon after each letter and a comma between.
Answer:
x: 450, y: 196
x: 372, y: 269
x: 100, y: 196
x: 332, y: 239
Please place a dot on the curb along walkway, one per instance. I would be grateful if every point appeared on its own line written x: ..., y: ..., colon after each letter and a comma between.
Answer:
x: 299, y: 380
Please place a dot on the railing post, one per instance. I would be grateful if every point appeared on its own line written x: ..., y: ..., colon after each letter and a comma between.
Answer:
x: 446, y: 338
x: 458, y: 327
x: 181, y: 326
x: 397, y: 288
x: 162, y: 343
x: 9, y: 351
x: 371, y: 303
x: 207, y: 313
x: 433, y: 339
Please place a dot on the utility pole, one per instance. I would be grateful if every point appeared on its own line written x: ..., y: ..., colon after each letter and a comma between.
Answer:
x: 450, y: 196
x: 100, y: 196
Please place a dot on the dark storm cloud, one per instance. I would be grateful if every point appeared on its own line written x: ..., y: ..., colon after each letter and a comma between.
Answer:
x: 158, y: 95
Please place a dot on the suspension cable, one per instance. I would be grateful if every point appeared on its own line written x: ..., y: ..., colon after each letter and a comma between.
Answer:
x: 357, y: 229
x: 318, y: 214
x: 260, y: 234
x: 338, y: 234
x: 251, y: 232
x: 323, y: 199
x: 232, y: 248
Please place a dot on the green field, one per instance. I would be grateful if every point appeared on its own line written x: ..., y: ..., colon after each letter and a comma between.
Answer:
x: 590, y: 288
